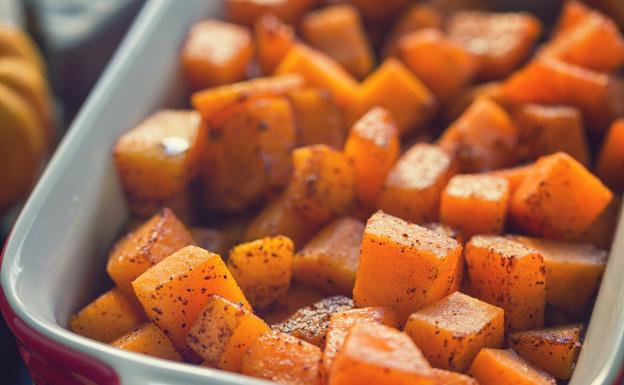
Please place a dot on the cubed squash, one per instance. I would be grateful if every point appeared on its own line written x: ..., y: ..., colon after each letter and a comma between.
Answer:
x: 174, y: 292
x: 403, y: 266
x: 378, y: 354
x: 213, y: 240
x: 514, y: 175
x: 610, y: 161
x: 372, y: 147
x: 448, y: 377
x: 215, y: 53
x: 273, y: 39
x: 508, y: 274
x: 452, y: 331
x: 330, y: 260
x: 554, y: 350
x: 572, y: 13
x: 148, y: 339
x: 475, y: 204
x: 263, y: 268
x: 443, y: 65
x: 153, y: 241
x: 483, y: 138
x: 559, y: 199
x: 223, y: 332
x: 317, y: 117
x: 496, y: 366
x: 110, y: 316
x: 158, y: 158
x: 15, y: 42
x: 319, y: 70
x: 395, y: 88
x: 602, y: 230
x: 310, y: 323
x: 417, y: 16
x: 282, y: 358
x: 457, y: 280
x: 247, y: 12
x: 413, y: 187
x: 322, y: 183
x: 501, y: 41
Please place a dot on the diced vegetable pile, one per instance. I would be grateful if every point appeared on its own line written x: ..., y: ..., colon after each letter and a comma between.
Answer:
x: 373, y: 193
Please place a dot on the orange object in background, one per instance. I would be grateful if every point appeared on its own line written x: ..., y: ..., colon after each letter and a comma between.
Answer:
x: 273, y: 40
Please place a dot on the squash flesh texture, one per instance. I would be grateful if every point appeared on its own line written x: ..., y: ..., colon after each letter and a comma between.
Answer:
x: 403, y: 266
x: 372, y: 147
x: 169, y: 290
x: 216, y: 53
x: 378, y: 354
x: 317, y: 117
x: 273, y: 39
x: 572, y: 13
x: 494, y: 367
x: 247, y: 12
x: 414, y: 185
x: 263, y: 269
x: 416, y: 17
x: 508, y: 274
x: 330, y: 260
x: 554, y: 350
x: 447, y: 377
x: 514, y: 175
x: 475, y: 204
x: 610, y: 161
x: 148, y: 339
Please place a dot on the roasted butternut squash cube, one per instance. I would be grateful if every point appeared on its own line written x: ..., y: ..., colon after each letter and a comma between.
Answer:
x: 514, y: 175
x: 475, y: 204
x: 311, y: 322
x: 322, y: 183
x: 447, y: 377
x: 573, y: 272
x: 174, y: 292
x: 153, y: 241
x: 317, y: 117
x: 443, y: 65
x: 416, y: 17
x: 508, y: 274
x: 403, y: 266
x: 148, y: 339
x: 554, y: 350
x: 216, y: 53
x: 284, y: 359
x: 395, y: 88
x: 456, y: 282
x: 330, y: 260
x: 501, y: 41
x: 413, y: 187
x: 544, y: 130
x: 451, y: 331
x: 610, y: 161
x: 263, y: 268
x: 337, y: 31
x: 213, y: 240
x: 372, y: 147
x: 483, y: 138
x: 273, y: 39
x: 378, y: 354
x: 319, y: 70
x: 222, y: 333
x: 496, y: 366
x: 110, y: 316
x: 572, y: 13
x: 247, y: 12
x: 157, y: 159
x: 559, y: 199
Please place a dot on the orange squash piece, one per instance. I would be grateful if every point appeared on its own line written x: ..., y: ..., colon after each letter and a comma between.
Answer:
x: 500, y: 40
x: 330, y: 260
x: 572, y: 13
x: 372, y: 147
x: 395, y: 88
x: 475, y: 204
x: 263, y: 269
x: 451, y: 331
x: 378, y: 354
x: 148, y: 339
x: 153, y: 241
x: 448, y: 377
x: 553, y: 350
x: 158, y: 158
x: 108, y: 317
x: 444, y: 66
x: 213, y: 240
x: 403, y: 266
x: 174, y: 292
x: 284, y: 359
x: 508, y: 274
x: 319, y: 70
x: 491, y: 90
x: 495, y: 367
x: 317, y: 117
x: 416, y: 17
x: 223, y: 332
x: 559, y: 199
x: 610, y: 161
x: 602, y: 230
x: 247, y: 12
x: 514, y: 175
x: 413, y: 187
x: 14, y: 42
x: 216, y: 53
x: 273, y: 39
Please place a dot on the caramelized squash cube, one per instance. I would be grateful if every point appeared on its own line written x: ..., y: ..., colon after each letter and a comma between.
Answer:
x: 416, y: 17
x: 148, y: 339
x: 247, y: 12
x: 273, y: 40
x: 495, y: 367
x: 610, y: 161
x: 317, y: 117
